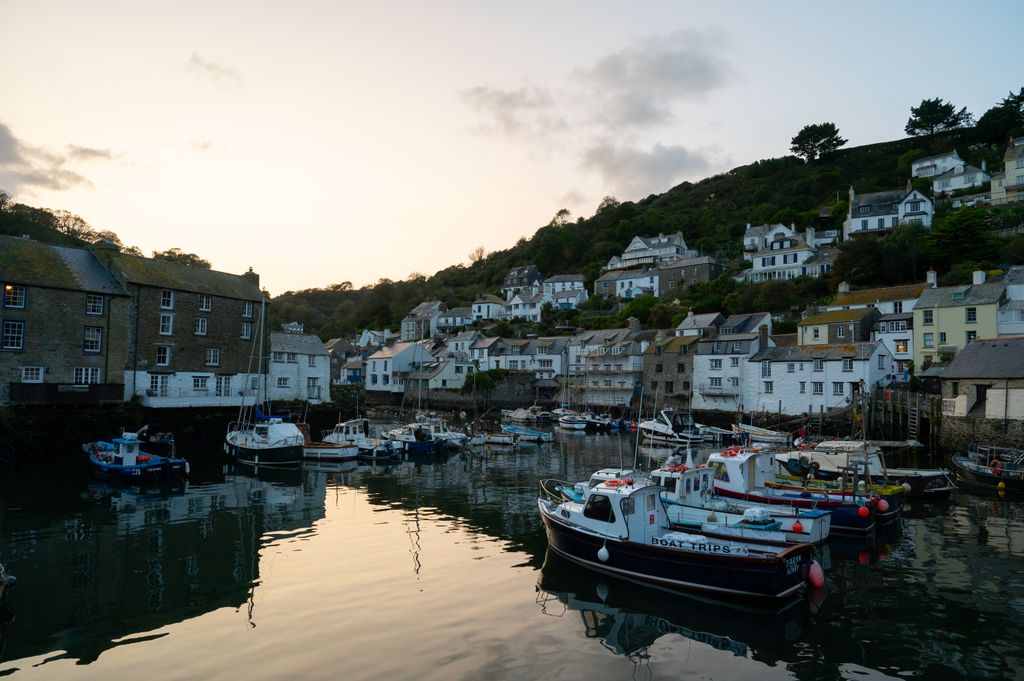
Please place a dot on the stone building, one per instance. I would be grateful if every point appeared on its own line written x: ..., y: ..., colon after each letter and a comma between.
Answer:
x: 65, y: 326
x: 668, y: 369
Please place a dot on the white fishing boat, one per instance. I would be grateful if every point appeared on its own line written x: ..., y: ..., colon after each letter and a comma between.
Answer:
x: 672, y: 428
x: 522, y: 434
x: 764, y: 436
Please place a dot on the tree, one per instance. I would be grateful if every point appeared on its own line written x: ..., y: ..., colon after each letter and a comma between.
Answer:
x: 607, y: 203
x: 68, y: 223
x: 182, y: 258
x: 995, y: 125
x: 816, y: 140
x: 561, y: 219
x: 477, y: 254
x: 934, y: 115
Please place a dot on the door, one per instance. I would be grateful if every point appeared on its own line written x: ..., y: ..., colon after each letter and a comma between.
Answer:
x: 312, y: 388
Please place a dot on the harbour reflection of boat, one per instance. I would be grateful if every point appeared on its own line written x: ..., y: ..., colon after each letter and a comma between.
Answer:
x: 628, y: 618
x: 281, y: 475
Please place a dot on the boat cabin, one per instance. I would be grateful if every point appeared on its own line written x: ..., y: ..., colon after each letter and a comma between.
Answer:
x: 126, y: 450
x: 680, y: 422
x: 350, y: 430
x: 620, y: 507
x: 688, y: 486
x: 742, y: 470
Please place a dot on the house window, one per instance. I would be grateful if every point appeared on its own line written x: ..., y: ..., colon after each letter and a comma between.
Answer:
x: 385, y: 379
x: 942, y: 337
x: 914, y: 206
x: 897, y: 307
x: 680, y: 368
x: 736, y: 347
x: 881, y: 223
x: 277, y: 356
x: 819, y: 365
x: 863, y: 224
x: 716, y: 364
x: 247, y: 308
x: 734, y: 381
x: 881, y: 361
x: 928, y: 340
x: 205, y: 302
x: 790, y: 368
x: 87, y: 375
x: 93, y: 304
x: 716, y: 382
x: 166, y: 299
x: 818, y: 388
x: 14, y: 296
x: 199, y: 324
x: 838, y: 388
x: 254, y: 383
x: 769, y: 386
x: 93, y: 339
x: 928, y: 316
x: 312, y: 360
x: 282, y: 381
x: 716, y: 347
x: 840, y: 331
x: 13, y: 336
x: 669, y: 387
x: 166, y: 324
x: 212, y: 357
x: 223, y: 386
x: 293, y: 358
x: 863, y: 210
x: 657, y: 368
x: 803, y: 387
x: 971, y: 335
x: 31, y: 374
x: 163, y: 355
x: 902, y: 345
x: 734, y: 361
x: 199, y: 383
x: 847, y: 365
x: 246, y: 330
x: 972, y: 315
x: 158, y: 385
x: 766, y: 369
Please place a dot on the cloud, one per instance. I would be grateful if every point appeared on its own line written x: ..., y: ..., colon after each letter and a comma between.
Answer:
x: 225, y: 76
x: 201, y: 145
x: 640, y: 84
x: 634, y: 172
x: 89, y: 154
x: 572, y: 198
x: 23, y: 166
x: 526, y: 110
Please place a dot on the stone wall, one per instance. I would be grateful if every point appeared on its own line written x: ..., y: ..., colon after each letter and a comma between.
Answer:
x: 960, y: 431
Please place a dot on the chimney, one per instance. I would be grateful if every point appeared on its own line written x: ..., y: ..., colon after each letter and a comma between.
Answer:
x: 809, y: 237
x: 844, y: 287
x: 978, y: 277
x: 762, y: 337
x: 984, y: 165
x: 634, y: 325
x: 104, y: 251
x: 931, y: 278
x: 252, y: 277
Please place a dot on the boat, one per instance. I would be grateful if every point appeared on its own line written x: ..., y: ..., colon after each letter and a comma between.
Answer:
x: 672, y: 428
x: 7, y: 582
x: 522, y: 434
x: 323, y: 450
x: 999, y: 467
x: 597, y: 422
x: 414, y: 437
x: 122, y: 458
x: 493, y: 440
x: 519, y: 415
x: 755, y: 435
x: 444, y: 436
x: 572, y: 421
x: 266, y: 440
x: 743, y: 474
x: 357, y: 431
x: 690, y: 502
x: 620, y: 527
x: 714, y: 434
x: 831, y: 459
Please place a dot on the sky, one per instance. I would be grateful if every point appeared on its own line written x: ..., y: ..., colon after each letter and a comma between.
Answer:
x: 328, y: 141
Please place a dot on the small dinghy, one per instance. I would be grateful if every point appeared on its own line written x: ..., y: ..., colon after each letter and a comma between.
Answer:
x: 123, y: 459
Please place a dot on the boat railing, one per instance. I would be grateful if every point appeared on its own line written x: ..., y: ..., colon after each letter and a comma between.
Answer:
x: 554, y: 490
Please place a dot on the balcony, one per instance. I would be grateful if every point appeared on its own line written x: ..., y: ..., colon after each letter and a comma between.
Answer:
x: 66, y: 393
x: 709, y: 390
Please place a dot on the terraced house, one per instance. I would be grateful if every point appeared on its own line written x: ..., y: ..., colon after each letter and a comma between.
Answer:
x: 65, y: 325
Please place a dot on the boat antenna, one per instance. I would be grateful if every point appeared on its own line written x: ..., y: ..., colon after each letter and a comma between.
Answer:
x: 636, y: 448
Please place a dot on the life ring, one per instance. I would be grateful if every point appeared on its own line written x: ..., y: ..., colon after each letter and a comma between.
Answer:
x: 996, y: 466
x: 677, y: 469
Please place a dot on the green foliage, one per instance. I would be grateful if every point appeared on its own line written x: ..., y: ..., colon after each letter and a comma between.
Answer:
x: 935, y: 115
x: 182, y: 258
x: 815, y: 140
x: 996, y: 125
x: 963, y: 235
x: 484, y: 382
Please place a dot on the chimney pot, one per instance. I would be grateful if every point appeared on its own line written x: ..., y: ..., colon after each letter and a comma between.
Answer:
x: 978, y: 277
x: 932, y: 278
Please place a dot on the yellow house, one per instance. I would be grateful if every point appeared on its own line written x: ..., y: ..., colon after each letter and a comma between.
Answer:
x: 1008, y: 186
x: 946, y: 319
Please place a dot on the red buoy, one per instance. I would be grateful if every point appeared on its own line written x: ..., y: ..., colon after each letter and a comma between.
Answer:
x: 863, y: 511
x: 883, y: 506
x: 797, y: 527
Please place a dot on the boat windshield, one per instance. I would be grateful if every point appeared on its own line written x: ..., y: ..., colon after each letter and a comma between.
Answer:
x: 599, y: 507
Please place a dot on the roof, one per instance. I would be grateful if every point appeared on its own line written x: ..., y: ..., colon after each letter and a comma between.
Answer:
x: 163, y: 274
x: 1015, y: 150
x: 523, y: 274
x: 563, y: 277
x: 879, y: 203
x: 626, y: 274
x: 689, y: 262
x: 488, y: 298
x: 897, y: 317
x: 925, y: 159
x: 1014, y: 275
x: 989, y: 358
x: 671, y: 344
x: 459, y: 312
x: 807, y: 353
x: 574, y: 293
x: 700, y: 321
x: 825, y: 255
x: 427, y: 309
x: 854, y: 315
x: 484, y: 342
x: 959, y: 170
x: 31, y: 263
x: 464, y: 336
x: 880, y: 295
x: 960, y: 296
x: 743, y: 322
x: 354, y: 363
x: 301, y: 343
x: 784, y: 339
x: 389, y: 351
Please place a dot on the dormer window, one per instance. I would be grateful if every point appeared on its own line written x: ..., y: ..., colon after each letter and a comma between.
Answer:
x: 863, y: 210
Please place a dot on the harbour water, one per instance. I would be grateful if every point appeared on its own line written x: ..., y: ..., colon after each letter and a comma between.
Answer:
x: 439, y: 570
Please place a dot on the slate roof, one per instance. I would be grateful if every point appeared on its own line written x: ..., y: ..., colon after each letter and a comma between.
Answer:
x: 897, y: 317
x: 163, y: 274
x: 426, y: 309
x: 1015, y: 149
x: 854, y: 315
x: 389, y: 351
x: 741, y: 323
x: 558, y: 278
x: 825, y: 255
x: 300, y: 343
x: 689, y: 262
x: 523, y: 275
x: 1014, y: 275
x: 880, y: 203
x: 880, y: 295
x: 671, y: 344
x: 925, y: 159
x: 999, y: 358
x: 31, y: 263
x: 960, y: 170
x: 784, y: 339
x: 574, y: 293
x: 488, y: 298
x: 701, y: 321
x: 807, y: 353
x: 961, y: 296
x: 458, y: 312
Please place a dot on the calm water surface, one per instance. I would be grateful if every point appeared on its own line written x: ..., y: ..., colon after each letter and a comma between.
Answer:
x: 440, y: 571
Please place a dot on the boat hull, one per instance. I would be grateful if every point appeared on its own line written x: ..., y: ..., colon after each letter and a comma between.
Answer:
x: 325, y: 451
x: 745, y: 577
x: 845, y: 516
x: 288, y: 455
x: 156, y: 469
x: 980, y: 475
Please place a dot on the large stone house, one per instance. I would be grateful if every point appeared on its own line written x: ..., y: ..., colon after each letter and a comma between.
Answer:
x: 651, y: 251
x: 683, y: 272
x: 882, y: 212
x: 668, y: 369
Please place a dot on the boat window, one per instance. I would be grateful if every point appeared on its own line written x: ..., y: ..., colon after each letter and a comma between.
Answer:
x: 720, y: 472
x: 599, y: 507
x: 687, y: 485
x: 650, y: 503
x: 262, y: 431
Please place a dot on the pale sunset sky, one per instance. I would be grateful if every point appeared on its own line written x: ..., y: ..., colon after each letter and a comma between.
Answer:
x: 320, y: 142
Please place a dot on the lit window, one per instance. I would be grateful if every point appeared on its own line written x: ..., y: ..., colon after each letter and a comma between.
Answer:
x: 14, y: 296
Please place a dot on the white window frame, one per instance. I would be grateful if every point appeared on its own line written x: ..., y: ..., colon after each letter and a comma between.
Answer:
x: 166, y: 324
x: 164, y: 350
x: 94, y: 304
x: 166, y: 299
x: 92, y: 343
x: 12, y: 335
x: 247, y: 308
x: 817, y: 387
x: 18, y: 294
x: 205, y: 302
x: 246, y: 330
x: 213, y: 357
x: 199, y: 326
x: 86, y: 375
x: 200, y: 383
x: 32, y: 374
x: 847, y: 364
x: 838, y: 389
x: 282, y: 381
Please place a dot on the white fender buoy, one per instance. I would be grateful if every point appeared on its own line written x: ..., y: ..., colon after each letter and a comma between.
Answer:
x: 602, y: 554
x: 602, y: 588
x: 816, y: 576
x: 906, y: 487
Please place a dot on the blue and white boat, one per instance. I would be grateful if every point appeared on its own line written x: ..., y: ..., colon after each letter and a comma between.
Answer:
x: 522, y: 434
x: 123, y: 458
x: 620, y: 527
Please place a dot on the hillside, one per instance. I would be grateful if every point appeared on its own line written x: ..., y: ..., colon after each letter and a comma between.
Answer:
x: 712, y: 215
